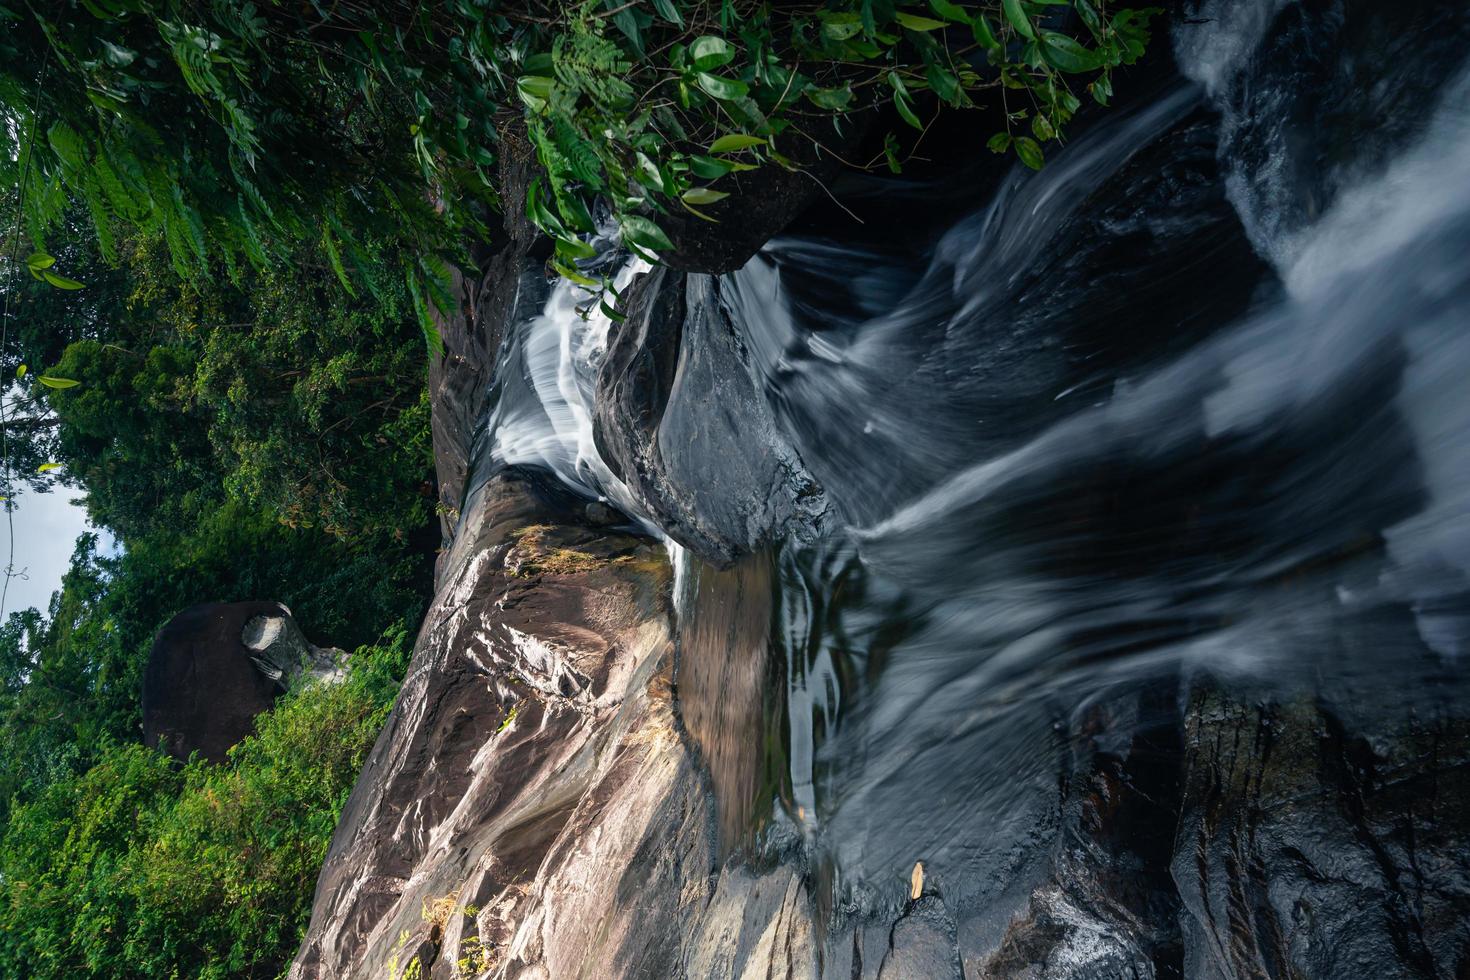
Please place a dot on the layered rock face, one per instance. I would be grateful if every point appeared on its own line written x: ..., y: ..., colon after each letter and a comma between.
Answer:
x: 577, y: 781
x: 535, y: 807
x: 503, y: 818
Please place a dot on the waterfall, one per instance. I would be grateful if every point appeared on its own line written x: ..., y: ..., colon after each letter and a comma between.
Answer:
x: 1190, y: 400
x: 541, y: 410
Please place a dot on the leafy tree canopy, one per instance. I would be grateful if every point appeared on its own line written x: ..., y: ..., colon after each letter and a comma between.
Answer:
x: 239, y: 131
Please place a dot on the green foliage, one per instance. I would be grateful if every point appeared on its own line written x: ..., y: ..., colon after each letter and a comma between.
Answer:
x: 280, y: 389
x: 239, y: 133
x: 265, y: 437
x: 137, y: 867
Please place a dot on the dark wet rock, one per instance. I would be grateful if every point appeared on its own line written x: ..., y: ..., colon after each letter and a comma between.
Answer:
x: 922, y: 944
x: 535, y: 808
x: 1106, y: 907
x: 1327, y: 97
x: 681, y: 419
x: 1307, y: 848
x: 215, y: 666
x: 1099, y: 286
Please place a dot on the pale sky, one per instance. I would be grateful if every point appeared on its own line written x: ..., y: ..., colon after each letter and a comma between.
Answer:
x: 46, y: 530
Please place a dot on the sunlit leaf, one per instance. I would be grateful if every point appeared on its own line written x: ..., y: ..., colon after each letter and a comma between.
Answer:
x: 916, y: 23
x: 702, y: 195
x: 60, y: 282
x: 641, y: 231
x: 724, y: 89
x: 1029, y: 152
x: 54, y: 382
x: 1065, y: 54
x: 731, y: 142
x: 535, y: 90
x: 1017, y: 16
x: 710, y: 52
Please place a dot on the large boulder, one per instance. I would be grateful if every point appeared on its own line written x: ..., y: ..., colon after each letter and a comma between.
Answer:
x: 217, y: 665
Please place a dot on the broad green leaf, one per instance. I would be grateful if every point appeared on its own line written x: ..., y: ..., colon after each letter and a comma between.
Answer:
x: 535, y: 90
x: 574, y: 248
x: 648, y: 174
x: 840, y: 26
x: 1017, y: 16
x: 906, y: 111
x: 20, y: 372
x: 641, y: 231
x: 731, y: 142
x: 944, y: 83
x: 568, y: 272
x: 39, y: 261
x: 709, y: 52
x: 1029, y: 152
x: 60, y: 282
x: 901, y: 101
x: 1089, y: 15
x: 724, y: 89
x: 626, y: 19
x: 1065, y: 54
x: 984, y: 33
x: 48, y: 467
x: 950, y: 11
x: 708, y: 168
x: 836, y: 99
x: 916, y: 23
x: 702, y: 195
x: 999, y: 143
x: 1042, y: 127
x: 668, y: 12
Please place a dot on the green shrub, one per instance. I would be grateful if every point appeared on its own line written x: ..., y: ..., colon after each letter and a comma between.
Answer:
x: 138, y: 867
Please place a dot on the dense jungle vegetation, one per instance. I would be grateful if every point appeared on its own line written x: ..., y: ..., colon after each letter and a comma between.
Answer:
x: 223, y: 230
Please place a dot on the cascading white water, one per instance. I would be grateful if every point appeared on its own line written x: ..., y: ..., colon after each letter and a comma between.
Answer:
x: 1148, y: 529
x: 1056, y: 477
x: 542, y: 411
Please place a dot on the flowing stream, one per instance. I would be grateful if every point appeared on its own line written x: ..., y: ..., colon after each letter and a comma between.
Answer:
x: 1076, y: 451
